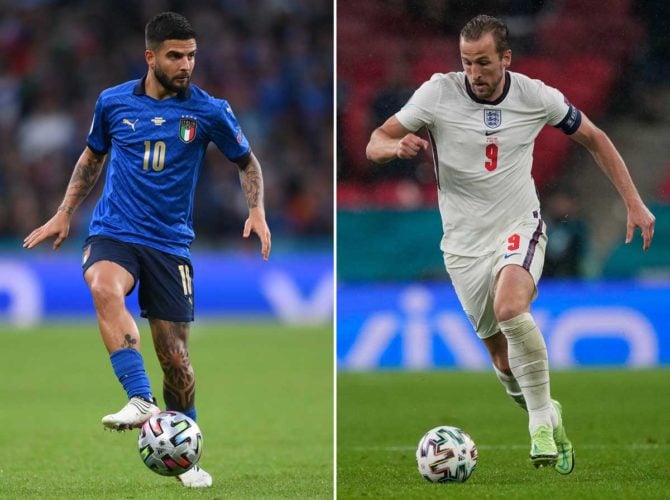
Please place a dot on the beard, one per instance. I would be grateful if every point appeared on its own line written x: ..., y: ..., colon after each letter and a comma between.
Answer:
x: 169, y: 84
x: 486, y: 91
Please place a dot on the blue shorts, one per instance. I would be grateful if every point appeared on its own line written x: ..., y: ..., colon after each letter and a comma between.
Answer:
x: 165, y: 280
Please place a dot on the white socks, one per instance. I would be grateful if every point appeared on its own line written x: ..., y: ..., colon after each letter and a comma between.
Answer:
x: 528, y: 361
x: 511, y: 387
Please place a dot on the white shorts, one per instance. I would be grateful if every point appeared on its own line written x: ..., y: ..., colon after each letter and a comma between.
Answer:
x: 523, y: 244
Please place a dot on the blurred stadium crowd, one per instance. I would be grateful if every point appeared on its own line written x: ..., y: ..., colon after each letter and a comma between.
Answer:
x: 609, y: 59
x: 271, y: 59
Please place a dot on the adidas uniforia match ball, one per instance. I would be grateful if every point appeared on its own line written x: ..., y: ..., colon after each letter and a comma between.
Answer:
x: 170, y: 443
x: 446, y: 454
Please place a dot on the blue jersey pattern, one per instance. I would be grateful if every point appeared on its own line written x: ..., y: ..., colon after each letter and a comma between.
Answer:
x: 155, y: 149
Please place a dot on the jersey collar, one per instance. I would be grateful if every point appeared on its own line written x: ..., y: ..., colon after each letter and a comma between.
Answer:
x: 139, y: 90
x: 508, y: 83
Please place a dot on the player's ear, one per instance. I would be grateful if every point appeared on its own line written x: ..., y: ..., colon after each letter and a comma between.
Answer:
x: 150, y: 57
x: 507, y: 58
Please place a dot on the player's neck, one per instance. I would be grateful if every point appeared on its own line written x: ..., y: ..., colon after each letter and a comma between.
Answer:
x: 500, y: 89
x: 153, y: 88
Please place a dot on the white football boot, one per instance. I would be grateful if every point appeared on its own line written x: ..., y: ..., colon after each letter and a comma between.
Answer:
x: 137, y: 411
x: 195, y: 478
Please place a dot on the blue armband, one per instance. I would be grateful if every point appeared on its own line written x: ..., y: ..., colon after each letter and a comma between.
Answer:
x: 572, y: 120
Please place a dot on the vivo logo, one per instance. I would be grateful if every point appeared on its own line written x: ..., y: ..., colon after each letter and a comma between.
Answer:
x: 420, y: 324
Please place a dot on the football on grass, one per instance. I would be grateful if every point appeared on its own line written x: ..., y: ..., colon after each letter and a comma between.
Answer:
x: 446, y: 454
x: 170, y: 443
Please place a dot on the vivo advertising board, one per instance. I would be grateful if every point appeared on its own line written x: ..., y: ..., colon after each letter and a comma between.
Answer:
x: 423, y: 326
x: 295, y: 288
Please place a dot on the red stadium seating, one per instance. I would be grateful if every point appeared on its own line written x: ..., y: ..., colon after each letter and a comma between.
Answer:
x: 580, y: 50
x: 435, y: 54
x: 614, y: 38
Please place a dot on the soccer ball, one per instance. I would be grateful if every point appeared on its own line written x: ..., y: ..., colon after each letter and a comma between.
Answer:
x: 446, y: 454
x: 170, y: 443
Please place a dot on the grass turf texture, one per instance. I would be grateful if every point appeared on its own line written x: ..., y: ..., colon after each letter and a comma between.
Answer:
x: 617, y: 420
x: 265, y: 406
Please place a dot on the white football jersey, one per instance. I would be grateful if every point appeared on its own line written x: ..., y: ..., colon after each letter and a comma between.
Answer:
x: 483, y: 152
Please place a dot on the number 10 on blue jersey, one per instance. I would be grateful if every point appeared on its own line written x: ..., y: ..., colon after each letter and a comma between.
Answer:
x: 158, y: 153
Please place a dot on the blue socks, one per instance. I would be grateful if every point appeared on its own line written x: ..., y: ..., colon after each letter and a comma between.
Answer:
x: 128, y: 366
x: 189, y: 413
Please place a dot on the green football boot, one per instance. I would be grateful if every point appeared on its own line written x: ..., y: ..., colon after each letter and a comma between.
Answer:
x: 566, y: 453
x: 543, y: 450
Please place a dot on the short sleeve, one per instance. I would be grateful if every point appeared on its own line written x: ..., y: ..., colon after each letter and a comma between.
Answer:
x: 560, y: 113
x: 227, y: 134
x: 418, y: 112
x: 98, y: 139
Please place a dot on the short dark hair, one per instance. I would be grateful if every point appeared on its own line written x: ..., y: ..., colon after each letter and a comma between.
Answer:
x: 167, y: 26
x: 478, y: 26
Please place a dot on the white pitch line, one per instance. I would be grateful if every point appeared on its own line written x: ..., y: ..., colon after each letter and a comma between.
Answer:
x: 641, y: 446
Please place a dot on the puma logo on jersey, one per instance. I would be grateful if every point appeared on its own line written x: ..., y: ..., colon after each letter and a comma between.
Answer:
x: 126, y: 121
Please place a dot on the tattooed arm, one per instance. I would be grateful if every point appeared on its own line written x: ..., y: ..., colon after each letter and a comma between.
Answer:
x: 85, y: 175
x: 251, y: 179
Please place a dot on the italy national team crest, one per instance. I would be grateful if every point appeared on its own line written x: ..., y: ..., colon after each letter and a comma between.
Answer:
x: 492, y: 118
x: 187, y: 128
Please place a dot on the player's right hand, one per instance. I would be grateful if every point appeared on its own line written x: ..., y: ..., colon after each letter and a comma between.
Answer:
x: 409, y: 146
x: 256, y: 223
x: 58, y: 225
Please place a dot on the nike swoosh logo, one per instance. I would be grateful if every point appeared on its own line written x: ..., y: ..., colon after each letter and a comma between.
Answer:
x: 508, y: 255
x: 491, y: 132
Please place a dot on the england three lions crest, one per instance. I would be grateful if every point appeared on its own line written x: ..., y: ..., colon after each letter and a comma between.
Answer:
x: 187, y: 128
x: 492, y: 118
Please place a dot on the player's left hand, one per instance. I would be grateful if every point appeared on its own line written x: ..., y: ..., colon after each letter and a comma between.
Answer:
x: 640, y: 216
x: 256, y: 223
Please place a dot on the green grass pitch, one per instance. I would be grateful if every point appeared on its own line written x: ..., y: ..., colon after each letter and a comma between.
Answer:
x: 617, y: 420
x: 265, y: 406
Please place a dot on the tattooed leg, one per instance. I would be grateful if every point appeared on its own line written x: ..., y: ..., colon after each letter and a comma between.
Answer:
x: 171, y: 344
x: 109, y: 284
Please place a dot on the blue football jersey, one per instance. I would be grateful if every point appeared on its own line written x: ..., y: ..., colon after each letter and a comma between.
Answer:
x: 155, y: 149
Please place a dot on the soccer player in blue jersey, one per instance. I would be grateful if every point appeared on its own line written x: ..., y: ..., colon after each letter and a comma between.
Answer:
x: 155, y: 131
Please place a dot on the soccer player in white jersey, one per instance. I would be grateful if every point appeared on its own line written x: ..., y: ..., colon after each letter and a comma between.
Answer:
x: 482, y: 124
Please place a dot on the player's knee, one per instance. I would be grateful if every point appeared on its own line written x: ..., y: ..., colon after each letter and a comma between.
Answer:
x: 105, y: 293
x: 506, y: 310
